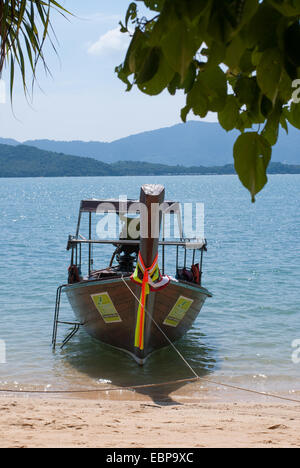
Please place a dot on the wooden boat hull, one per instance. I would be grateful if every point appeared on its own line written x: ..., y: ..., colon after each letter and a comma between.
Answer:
x: 108, y: 311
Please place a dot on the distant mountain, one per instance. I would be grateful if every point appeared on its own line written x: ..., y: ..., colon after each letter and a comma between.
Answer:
x: 27, y: 161
x: 9, y: 141
x: 191, y: 144
x: 195, y: 143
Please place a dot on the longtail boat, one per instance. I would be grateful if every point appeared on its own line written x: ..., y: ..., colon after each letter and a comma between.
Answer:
x: 131, y: 304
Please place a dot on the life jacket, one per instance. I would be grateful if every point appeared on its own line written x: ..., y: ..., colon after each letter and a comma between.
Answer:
x: 73, y: 274
x: 196, y: 273
x: 185, y: 275
x: 190, y: 275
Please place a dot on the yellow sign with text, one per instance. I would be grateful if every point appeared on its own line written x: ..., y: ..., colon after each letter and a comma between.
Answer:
x: 178, y: 312
x: 106, y: 308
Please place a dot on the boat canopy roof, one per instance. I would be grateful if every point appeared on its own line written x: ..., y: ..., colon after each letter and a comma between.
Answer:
x: 122, y: 206
x: 127, y: 206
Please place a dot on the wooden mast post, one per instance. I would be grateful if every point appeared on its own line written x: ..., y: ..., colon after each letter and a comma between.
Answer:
x: 152, y: 196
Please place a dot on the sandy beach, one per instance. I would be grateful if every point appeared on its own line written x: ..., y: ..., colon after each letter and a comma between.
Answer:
x: 85, y: 423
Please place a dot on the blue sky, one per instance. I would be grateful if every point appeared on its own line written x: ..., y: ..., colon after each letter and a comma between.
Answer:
x: 84, y: 99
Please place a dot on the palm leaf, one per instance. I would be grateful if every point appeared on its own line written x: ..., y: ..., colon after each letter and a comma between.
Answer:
x: 25, y: 26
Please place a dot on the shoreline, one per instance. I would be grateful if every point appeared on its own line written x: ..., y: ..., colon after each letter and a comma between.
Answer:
x: 179, y: 174
x: 136, y: 420
x: 187, y: 390
x: 46, y: 422
x: 155, y: 395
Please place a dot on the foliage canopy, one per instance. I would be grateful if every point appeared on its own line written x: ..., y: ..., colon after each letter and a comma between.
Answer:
x: 237, y: 58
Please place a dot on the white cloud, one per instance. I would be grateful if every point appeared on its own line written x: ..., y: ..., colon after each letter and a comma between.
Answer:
x: 110, y: 43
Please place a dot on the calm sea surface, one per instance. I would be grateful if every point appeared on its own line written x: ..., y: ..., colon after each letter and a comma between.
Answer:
x: 244, y: 334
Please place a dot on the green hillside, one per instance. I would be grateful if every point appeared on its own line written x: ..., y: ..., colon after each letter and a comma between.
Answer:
x: 26, y: 161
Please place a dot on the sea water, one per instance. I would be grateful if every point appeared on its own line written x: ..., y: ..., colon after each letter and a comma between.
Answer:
x: 247, y: 335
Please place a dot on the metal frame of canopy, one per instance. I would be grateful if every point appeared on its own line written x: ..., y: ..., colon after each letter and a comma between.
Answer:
x: 73, y: 244
x: 131, y: 207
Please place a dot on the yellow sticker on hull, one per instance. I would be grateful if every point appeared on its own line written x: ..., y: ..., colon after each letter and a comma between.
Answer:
x: 106, y: 308
x: 178, y: 312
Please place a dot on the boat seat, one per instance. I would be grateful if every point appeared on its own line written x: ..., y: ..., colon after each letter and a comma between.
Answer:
x: 107, y: 273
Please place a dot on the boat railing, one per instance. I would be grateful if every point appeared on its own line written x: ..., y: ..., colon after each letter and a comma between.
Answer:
x: 189, y: 244
x: 183, y: 248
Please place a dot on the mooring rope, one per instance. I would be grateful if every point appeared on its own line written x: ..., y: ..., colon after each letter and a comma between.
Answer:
x: 141, y: 387
x: 197, y: 377
x: 94, y: 390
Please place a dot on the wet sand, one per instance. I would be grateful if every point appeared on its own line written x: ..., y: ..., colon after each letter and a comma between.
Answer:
x: 50, y: 422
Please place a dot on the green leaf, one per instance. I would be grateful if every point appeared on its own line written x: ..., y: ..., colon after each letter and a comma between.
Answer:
x: 269, y: 72
x: 197, y: 100
x: 131, y: 13
x: 246, y: 9
x: 174, y: 84
x: 285, y: 89
x: 261, y: 31
x: 244, y: 121
x: 135, y: 57
x: 283, y: 122
x: 292, y: 40
x: 208, y: 93
x: 190, y: 78
x: 213, y: 82
x: 155, y: 5
x: 246, y: 64
x: 229, y: 116
x: 232, y: 15
x: 266, y: 106
x: 293, y: 115
x: 179, y: 47
x: 184, y: 113
x: 159, y: 80
x: 271, y: 129
x: 286, y: 7
x: 252, y: 155
x: 150, y: 66
x: 248, y: 93
x: 131, y: 63
x: 234, y: 52
x: 246, y: 90
x: 215, y: 54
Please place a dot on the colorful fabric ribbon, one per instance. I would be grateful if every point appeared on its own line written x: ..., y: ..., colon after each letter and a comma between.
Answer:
x: 152, y: 281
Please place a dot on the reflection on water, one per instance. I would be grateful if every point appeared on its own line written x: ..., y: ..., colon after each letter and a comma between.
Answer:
x: 103, y: 366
